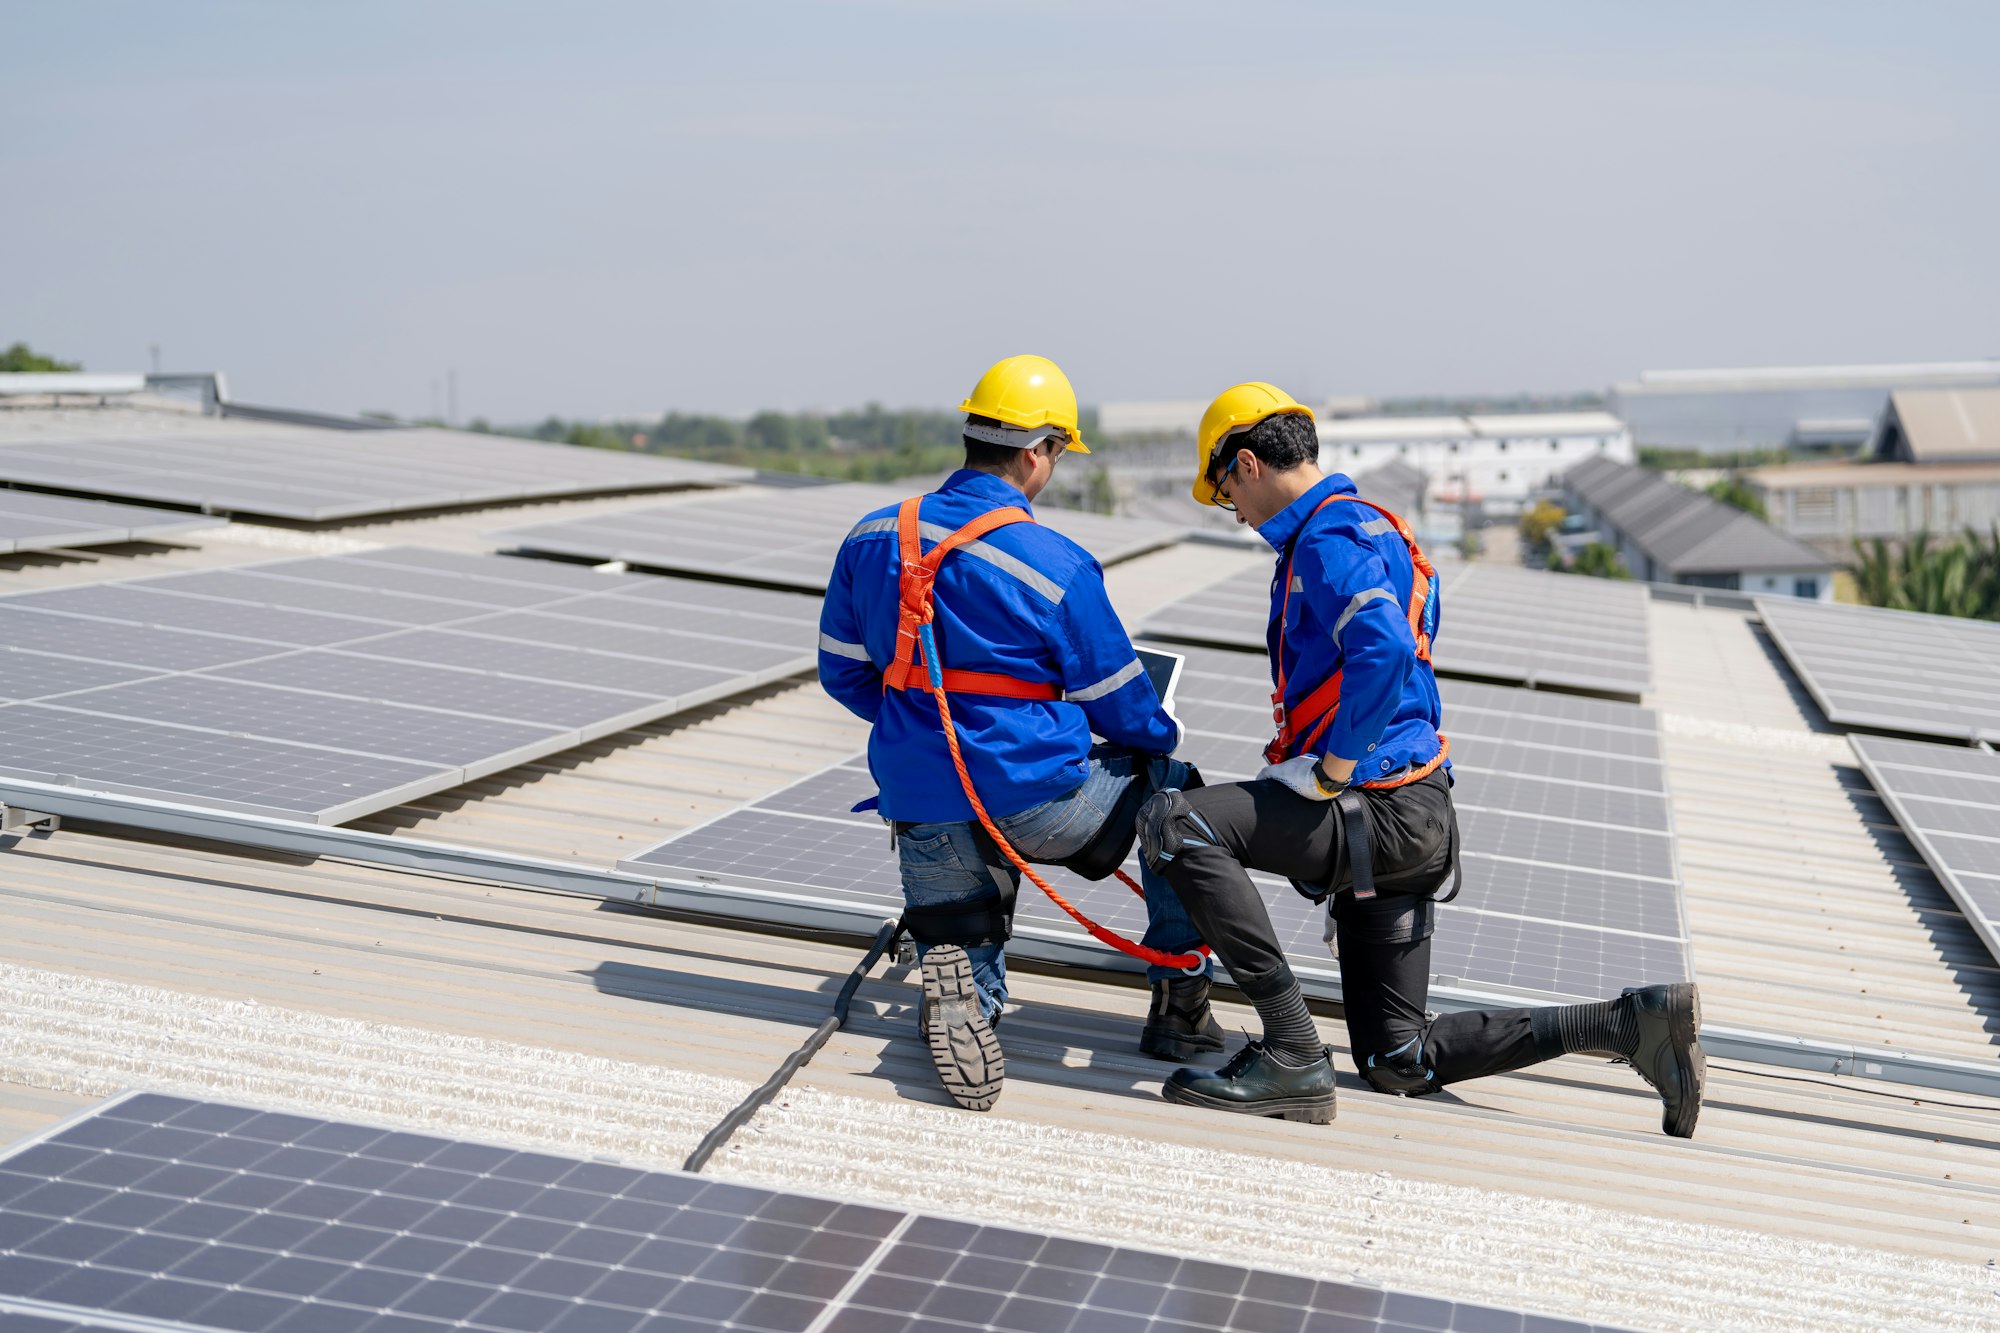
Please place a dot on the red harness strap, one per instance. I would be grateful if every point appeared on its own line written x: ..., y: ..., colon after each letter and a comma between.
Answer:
x: 918, y: 588
x: 1300, y: 729
x: 910, y: 672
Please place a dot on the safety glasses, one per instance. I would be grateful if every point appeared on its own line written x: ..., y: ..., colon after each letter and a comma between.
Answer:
x: 1222, y: 501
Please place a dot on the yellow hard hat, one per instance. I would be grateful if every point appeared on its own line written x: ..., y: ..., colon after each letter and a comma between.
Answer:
x: 1027, y: 391
x: 1236, y: 409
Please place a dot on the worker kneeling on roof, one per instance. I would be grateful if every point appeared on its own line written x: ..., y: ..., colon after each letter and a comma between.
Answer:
x: 1354, y: 806
x: 1014, y: 621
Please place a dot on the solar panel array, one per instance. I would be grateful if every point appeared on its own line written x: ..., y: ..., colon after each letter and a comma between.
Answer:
x: 1572, y: 888
x: 1947, y: 800
x: 785, y: 537
x: 301, y: 472
x: 1897, y: 670
x: 1498, y: 623
x: 322, y: 689
x: 33, y: 522
x: 160, y: 1212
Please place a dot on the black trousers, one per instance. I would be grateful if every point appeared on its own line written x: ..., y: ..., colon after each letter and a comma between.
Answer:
x: 1385, y: 946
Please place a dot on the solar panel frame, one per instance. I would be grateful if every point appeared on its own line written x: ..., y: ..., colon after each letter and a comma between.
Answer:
x: 488, y: 678
x: 153, y: 1211
x: 1947, y: 802
x: 321, y: 475
x: 32, y: 521
x: 798, y: 529
x: 1892, y: 670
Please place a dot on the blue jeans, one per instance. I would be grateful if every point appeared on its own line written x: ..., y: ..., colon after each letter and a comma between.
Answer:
x: 941, y: 863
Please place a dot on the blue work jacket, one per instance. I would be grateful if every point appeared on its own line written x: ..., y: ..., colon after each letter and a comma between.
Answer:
x: 1023, y: 601
x: 1351, y: 580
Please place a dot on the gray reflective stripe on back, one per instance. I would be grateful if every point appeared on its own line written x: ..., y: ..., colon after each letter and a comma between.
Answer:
x: 1132, y: 670
x: 1359, y: 600
x: 1375, y: 527
x: 841, y: 648
x: 999, y: 559
x: 1298, y: 584
x: 872, y: 525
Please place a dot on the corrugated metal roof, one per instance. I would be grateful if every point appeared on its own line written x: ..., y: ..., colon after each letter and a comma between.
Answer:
x: 1684, y: 531
x: 552, y: 1019
x: 1941, y: 426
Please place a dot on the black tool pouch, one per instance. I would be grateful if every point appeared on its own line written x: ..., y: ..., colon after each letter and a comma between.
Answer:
x: 1107, y: 851
x: 1423, y: 844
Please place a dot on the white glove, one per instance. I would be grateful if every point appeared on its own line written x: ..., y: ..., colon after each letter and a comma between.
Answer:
x: 1302, y: 775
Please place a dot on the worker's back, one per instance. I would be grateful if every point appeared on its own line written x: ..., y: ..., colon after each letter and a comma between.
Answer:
x: 1348, y: 612
x: 1023, y: 602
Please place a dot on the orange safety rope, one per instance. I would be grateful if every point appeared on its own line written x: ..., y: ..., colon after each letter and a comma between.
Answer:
x: 1187, y: 962
x: 918, y: 611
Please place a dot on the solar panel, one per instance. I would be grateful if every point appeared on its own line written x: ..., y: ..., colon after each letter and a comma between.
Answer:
x: 1948, y: 801
x: 327, y: 688
x: 1498, y: 623
x: 163, y: 1212
x: 33, y: 522
x: 1572, y: 888
x: 1896, y: 670
x: 796, y: 533
x: 302, y: 472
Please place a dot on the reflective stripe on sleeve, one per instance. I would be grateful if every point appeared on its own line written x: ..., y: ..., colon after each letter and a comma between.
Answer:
x: 1130, y: 671
x: 872, y: 525
x: 840, y: 648
x: 1359, y: 600
x: 1375, y: 527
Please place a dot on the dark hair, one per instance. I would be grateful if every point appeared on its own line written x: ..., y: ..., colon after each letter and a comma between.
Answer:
x: 1281, y: 443
x: 986, y: 457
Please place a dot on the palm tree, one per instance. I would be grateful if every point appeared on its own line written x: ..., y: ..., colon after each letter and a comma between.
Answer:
x: 1959, y: 579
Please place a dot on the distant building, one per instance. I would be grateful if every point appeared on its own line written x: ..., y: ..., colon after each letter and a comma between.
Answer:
x: 1666, y: 533
x: 1182, y: 416
x: 1495, y: 462
x: 1805, y: 407
x: 1932, y: 465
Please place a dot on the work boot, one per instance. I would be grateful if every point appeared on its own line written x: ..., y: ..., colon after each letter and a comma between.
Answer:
x: 1179, y: 1025
x: 953, y: 1021
x: 1668, y: 1053
x: 1255, y: 1082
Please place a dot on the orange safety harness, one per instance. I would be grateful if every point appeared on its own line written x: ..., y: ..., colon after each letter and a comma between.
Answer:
x: 1300, y: 729
x: 917, y: 667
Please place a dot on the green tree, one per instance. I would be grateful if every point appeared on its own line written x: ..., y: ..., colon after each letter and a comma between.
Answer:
x: 1599, y: 561
x: 21, y: 359
x: 1099, y: 495
x: 1961, y: 578
x: 1736, y: 493
x: 1539, y: 521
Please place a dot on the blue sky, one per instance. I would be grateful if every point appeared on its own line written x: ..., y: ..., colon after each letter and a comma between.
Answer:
x: 596, y: 208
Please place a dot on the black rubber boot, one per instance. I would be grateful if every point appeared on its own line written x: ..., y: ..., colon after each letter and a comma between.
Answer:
x: 1668, y: 1054
x: 1254, y: 1082
x: 961, y: 1041
x: 1179, y: 1025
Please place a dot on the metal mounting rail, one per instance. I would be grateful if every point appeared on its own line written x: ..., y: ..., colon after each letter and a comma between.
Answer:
x: 28, y: 802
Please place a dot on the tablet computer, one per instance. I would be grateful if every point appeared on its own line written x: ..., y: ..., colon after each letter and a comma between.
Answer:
x: 1164, y: 670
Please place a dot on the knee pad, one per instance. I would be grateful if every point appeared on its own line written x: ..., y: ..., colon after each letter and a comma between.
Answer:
x: 1167, y: 826
x: 987, y: 921
x: 1403, y: 1072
